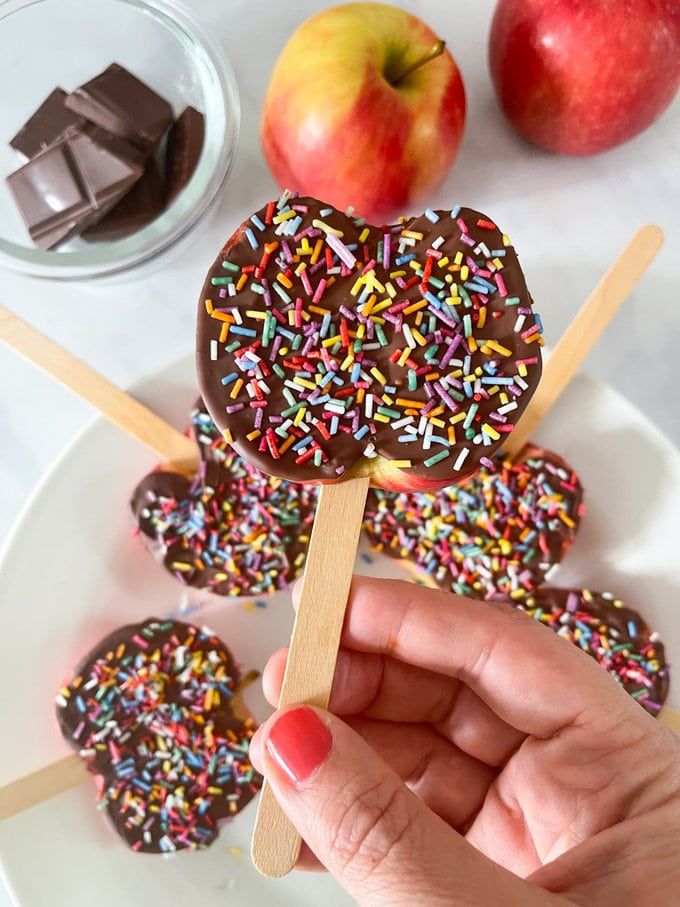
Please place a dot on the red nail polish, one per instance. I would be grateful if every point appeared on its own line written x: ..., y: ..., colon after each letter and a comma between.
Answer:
x: 299, y: 742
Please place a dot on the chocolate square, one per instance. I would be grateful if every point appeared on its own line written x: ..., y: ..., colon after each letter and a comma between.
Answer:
x: 119, y: 102
x: 70, y: 185
x: 50, y: 121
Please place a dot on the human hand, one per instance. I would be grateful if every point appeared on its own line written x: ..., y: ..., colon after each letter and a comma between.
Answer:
x: 480, y: 761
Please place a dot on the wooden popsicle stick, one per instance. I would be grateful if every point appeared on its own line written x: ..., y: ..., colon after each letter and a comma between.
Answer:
x: 115, y: 405
x: 43, y: 784
x: 586, y: 329
x: 313, y: 647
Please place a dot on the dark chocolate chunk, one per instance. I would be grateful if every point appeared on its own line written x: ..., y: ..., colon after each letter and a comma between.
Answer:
x: 70, y: 185
x: 142, y: 204
x: 48, y: 124
x: 123, y: 105
x: 185, y: 143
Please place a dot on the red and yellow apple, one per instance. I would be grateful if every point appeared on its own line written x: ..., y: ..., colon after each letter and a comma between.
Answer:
x: 581, y: 76
x: 365, y: 107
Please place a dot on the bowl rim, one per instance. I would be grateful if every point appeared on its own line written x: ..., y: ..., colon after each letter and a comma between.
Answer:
x: 189, y: 208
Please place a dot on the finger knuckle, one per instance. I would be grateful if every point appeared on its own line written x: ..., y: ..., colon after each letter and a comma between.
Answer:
x: 371, y: 817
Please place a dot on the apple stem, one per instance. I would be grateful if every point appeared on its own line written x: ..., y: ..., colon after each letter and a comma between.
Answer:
x: 435, y: 51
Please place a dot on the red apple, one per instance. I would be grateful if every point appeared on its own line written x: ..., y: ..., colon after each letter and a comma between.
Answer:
x: 365, y: 108
x: 581, y: 76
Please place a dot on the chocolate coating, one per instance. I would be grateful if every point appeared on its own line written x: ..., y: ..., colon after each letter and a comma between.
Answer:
x: 229, y: 528
x: 496, y: 535
x: 279, y: 293
x: 151, y: 711
x: 617, y: 637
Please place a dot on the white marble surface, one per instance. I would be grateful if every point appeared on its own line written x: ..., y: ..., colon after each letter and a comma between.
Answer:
x: 567, y: 217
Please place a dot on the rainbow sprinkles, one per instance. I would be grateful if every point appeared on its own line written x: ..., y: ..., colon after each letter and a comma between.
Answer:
x: 327, y: 345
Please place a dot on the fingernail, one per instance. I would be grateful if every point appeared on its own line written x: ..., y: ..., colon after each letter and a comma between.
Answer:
x: 299, y: 742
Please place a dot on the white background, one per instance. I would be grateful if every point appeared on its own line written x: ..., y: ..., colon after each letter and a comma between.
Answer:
x: 567, y: 217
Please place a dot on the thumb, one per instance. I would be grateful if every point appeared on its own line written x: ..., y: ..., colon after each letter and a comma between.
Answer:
x: 372, y: 833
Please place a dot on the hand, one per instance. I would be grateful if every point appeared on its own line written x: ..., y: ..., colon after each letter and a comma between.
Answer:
x: 481, y: 761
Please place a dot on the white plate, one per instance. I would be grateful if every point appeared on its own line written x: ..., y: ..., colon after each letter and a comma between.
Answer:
x: 72, y: 571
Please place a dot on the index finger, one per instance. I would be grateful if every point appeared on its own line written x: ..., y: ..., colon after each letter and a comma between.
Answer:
x: 529, y: 677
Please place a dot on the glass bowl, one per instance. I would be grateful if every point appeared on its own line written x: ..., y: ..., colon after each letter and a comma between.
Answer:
x: 50, y: 43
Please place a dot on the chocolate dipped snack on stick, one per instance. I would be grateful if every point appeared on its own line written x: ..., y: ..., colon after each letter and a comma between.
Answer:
x: 115, y: 405
x: 586, y: 329
x: 335, y: 352
x: 161, y: 685
x: 123, y: 105
x: 230, y: 528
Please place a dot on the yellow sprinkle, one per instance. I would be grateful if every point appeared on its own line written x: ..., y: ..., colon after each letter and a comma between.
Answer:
x: 318, y: 310
x: 224, y: 331
x: 260, y: 316
x: 389, y: 289
x: 329, y: 341
x: 404, y: 356
x: 291, y: 318
x: 416, y: 306
x: 348, y: 361
x: 567, y: 520
x: 482, y: 317
x: 458, y: 258
x: 378, y: 417
x: 286, y: 215
x: 459, y: 417
x: 241, y: 282
x: 253, y: 435
x: 401, y: 464
x: 236, y: 389
x: 356, y: 286
x: 522, y: 370
x: 227, y: 435
x: 419, y: 339
x: 411, y: 234
x: 320, y: 225
x: 437, y: 422
x: 378, y: 375
x: 498, y: 348
x: 491, y: 432
x: 318, y: 246
x: 286, y: 281
x: 301, y: 267
x: 464, y: 272
x: 299, y: 415
x: 395, y: 274
x: 387, y: 399
x: 383, y: 304
x: 365, y: 233
x: 506, y: 239
x: 498, y: 264
x: 442, y: 263
x: 209, y: 306
x: 303, y: 382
